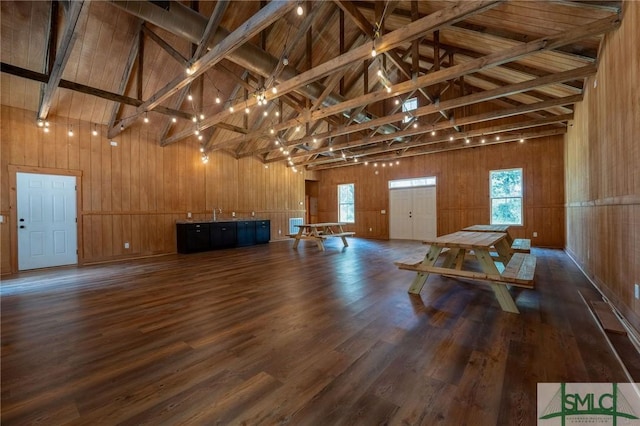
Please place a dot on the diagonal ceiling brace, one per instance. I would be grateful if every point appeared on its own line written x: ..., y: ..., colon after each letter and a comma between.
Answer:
x: 62, y: 56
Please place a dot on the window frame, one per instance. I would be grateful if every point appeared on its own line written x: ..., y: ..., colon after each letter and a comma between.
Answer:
x: 411, y: 102
x: 511, y: 197
x: 352, y: 203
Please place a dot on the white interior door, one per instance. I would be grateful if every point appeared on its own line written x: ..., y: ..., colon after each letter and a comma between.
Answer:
x: 47, y: 228
x: 400, y: 214
x: 424, y: 212
x: 412, y: 213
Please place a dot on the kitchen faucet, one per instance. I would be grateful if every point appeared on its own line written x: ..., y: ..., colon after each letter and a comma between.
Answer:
x: 214, y: 213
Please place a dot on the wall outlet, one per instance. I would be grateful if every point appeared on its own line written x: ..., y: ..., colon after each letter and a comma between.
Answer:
x: 637, y: 291
x: 535, y: 234
x: 383, y: 212
x: 253, y: 214
x: 189, y: 215
x: 113, y: 143
x: 279, y: 231
x: 233, y: 214
x: 370, y: 229
x: 126, y: 245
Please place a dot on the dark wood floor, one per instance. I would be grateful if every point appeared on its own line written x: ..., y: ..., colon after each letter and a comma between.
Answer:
x: 270, y: 335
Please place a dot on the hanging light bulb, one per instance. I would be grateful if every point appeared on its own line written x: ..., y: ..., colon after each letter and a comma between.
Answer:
x: 265, y: 113
x: 433, y: 133
x: 299, y: 10
x: 145, y: 119
x: 451, y: 138
x: 415, y: 125
x: 189, y: 70
x: 218, y: 99
x: 274, y: 90
x: 277, y: 113
x: 285, y: 60
x: 174, y: 120
x: 40, y: 123
x: 70, y: 131
x: 521, y: 140
x: 388, y: 89
x: 231, y: 108
x: 246, y: 110
x: 46, y: 130
x: 202, y: 149
x: 194, y: 119
x: 190, y: 97
x: 95, y: 130
x: 197, y: 132
x: 199, y: 137
x: 201, y: 116
x: 466, y: 140
x: 272, y: 131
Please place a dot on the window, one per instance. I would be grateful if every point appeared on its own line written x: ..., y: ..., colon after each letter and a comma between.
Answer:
x: 506, y: 196
x: 346, y: 203
x: 411, y: 183
x: 409, y: 105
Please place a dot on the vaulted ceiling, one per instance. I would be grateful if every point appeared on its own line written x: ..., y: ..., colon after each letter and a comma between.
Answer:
x: 300, y: 75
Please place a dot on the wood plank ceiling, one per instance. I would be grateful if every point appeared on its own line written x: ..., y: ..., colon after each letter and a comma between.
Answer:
x: 482, y: 71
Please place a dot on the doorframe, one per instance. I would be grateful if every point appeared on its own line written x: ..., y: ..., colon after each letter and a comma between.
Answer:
x: 13, y: 206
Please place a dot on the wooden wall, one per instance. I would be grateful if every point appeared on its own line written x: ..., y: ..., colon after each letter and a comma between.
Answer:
x: 135, y: 192
x: 462, y: 193
x: 603, y: 166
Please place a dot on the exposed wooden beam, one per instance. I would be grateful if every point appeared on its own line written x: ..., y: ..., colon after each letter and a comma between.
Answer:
x: 441, y: 147
x: 256, y: 23
x: 458, y: 102
x: 445, y: 125
x: 209, y: 31
x: 128, y: 68
x: 62, y: 56
x: 389, y: 41
x: 165, y: 46
x: 88, y: 90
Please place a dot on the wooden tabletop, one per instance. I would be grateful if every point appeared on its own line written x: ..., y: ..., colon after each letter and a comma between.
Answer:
x: 467, y: 240
x: 320, y: 225
x: 487, y: 228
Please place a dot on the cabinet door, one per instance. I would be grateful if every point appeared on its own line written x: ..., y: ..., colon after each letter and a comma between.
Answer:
x: 193, y: 237
x: 246, y: 233
x: 263, y: 231
x: 223, y: 235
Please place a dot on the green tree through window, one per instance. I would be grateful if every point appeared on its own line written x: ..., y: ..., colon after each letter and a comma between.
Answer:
x: 506, y: 196
x: 346, y: 203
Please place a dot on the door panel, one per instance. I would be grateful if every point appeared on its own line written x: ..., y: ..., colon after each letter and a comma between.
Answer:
x: 412, y: 213
x: 399, y: 214
x: 47, y: 228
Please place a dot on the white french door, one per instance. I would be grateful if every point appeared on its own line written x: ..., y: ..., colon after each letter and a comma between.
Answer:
x: 46, y: 213
x: 412, y: 213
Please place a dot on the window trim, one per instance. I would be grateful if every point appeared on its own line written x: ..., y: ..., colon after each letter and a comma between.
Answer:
x: 521, y: 197
x: 352, y: 204
x: 410, y: 101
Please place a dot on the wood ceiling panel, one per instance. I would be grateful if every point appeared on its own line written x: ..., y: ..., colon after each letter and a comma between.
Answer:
x: 99, y: 56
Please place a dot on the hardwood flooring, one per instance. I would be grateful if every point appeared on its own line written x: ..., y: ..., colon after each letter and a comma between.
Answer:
x: 271, y: 335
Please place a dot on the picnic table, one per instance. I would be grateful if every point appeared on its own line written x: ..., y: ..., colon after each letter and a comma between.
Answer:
x: 511, y: 269
x: 319, y: 232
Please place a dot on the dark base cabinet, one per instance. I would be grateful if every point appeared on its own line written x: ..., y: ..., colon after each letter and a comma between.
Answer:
x: 223, y: 235
x: 263, y: 231
x: 246, y: 233
x: 202, y: 236
x: 193, y: 237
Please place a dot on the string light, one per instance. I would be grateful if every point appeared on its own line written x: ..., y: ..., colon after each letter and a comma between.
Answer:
x: 194, y: 119
x: 70, y: 131
x: 466, y: 140
x: 274, y: 90
x: 521, y: 140
x: 174, y: 120
x: 40, y: 123
x: 95, y: 130
x: 218, y: 99
x: 201, y: 116
x: 145, y: 119
x: 299, y: 10
x: 190, y: 97
x: 231, y: 108
x: 433, y: 133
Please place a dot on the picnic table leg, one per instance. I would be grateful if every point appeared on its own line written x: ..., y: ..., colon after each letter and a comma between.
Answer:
x: 344, y: 241
x: 500, y: 290
x: 298, y: 237
x: 503, y: 247
x: 421, y: 277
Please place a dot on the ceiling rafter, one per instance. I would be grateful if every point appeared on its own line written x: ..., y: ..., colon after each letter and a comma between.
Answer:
x: 63, y: 52
x: 388, y: 41
x: 465, y: 100
x: 256, y: 23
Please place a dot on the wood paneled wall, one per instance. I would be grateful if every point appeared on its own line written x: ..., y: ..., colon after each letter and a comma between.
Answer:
x: 462, y: 193
x: 603, y: 170
x: 135, y: 191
